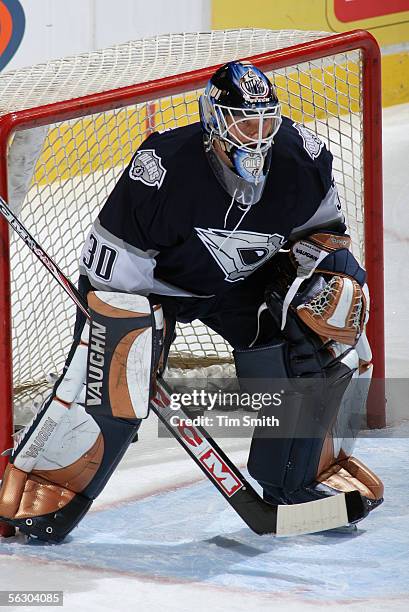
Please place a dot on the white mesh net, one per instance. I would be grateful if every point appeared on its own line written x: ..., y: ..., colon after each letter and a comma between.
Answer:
x: 59, y: 176
x: 136, y: 62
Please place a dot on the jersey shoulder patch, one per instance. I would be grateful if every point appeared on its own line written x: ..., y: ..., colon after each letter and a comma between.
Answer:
x: 147, y: 167
x: 311, y: 143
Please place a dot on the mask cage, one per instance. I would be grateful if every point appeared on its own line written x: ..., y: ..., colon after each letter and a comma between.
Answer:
x: 238, y: 118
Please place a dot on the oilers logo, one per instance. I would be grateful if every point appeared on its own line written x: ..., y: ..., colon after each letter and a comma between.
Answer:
x: 240, y: 253
x: 253, y: 164
x: 312, y: 144
x: 254, y: 88
x: 147, y: 167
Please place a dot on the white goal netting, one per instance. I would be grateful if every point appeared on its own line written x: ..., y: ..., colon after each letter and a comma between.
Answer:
x: 59, y: 175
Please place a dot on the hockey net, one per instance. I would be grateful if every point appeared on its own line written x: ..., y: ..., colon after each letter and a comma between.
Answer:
x: 69, y: 127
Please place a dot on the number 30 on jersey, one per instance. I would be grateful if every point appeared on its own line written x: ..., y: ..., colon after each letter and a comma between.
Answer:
x: 99, y: 258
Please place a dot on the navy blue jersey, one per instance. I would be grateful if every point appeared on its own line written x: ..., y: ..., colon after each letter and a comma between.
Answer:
x: 169, y: 227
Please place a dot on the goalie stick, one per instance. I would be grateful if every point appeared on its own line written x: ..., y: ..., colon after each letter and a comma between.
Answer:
x: 261, y: 517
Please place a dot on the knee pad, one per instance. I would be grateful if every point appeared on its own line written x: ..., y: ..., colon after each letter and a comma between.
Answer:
x: 64, y: 458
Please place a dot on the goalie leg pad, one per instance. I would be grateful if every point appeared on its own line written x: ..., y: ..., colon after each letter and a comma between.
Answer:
x: 50, y: 500
x: 286, y: 466
x: 39, y: 508
x: 126, y: 342
x: 303, y: 467
x: 58, y: 456
x: 64, y: 458
x: 337, y: 469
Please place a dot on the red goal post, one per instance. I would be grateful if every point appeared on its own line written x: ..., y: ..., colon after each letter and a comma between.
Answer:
x: 365, y: 84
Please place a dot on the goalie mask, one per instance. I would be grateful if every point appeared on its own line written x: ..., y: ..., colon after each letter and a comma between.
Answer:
x: 239, y: 110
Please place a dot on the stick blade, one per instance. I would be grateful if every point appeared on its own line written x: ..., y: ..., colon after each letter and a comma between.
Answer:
x: 320, y: 515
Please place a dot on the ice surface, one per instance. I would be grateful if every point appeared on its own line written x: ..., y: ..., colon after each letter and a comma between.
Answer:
x: 160, y: 538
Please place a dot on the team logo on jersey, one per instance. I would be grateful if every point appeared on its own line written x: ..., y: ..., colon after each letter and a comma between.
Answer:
x: 147, y: 167
x: 253, y: 87
x: 312, y: 144
x: 239, y: 254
